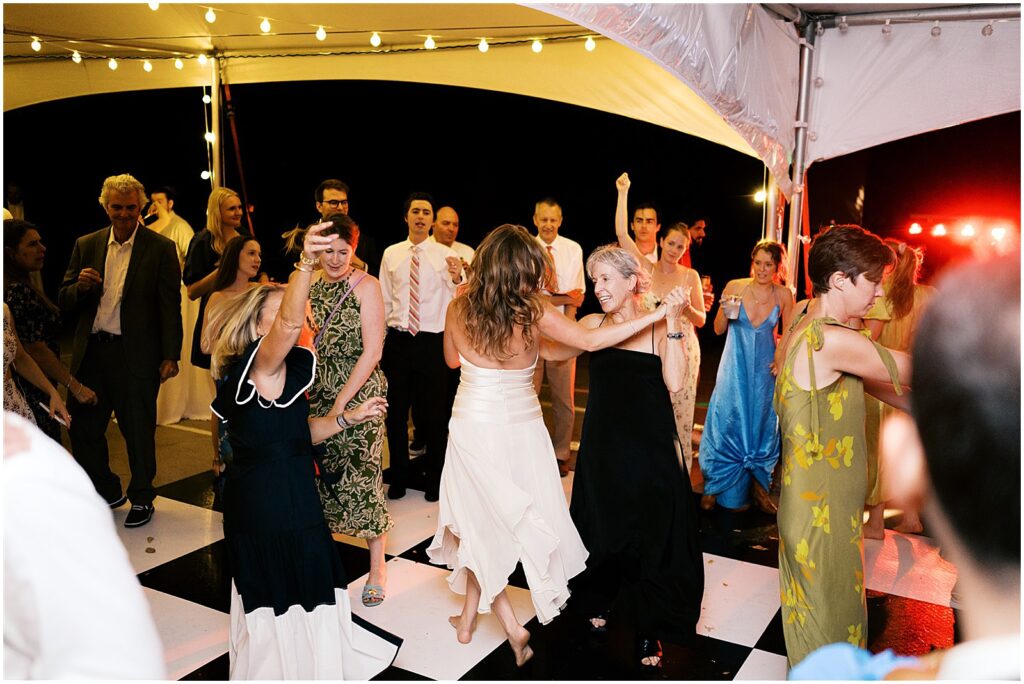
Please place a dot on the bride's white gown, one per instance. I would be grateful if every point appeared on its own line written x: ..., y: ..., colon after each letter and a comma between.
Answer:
x: 501, y: 497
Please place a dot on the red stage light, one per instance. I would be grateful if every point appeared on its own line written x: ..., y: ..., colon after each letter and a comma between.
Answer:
x: 915, y: 229
x: 967, y: 231
x: 939, y: 230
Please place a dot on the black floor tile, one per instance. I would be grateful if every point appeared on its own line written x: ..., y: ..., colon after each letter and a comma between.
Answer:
x: 772, y: 640
x: 397, y: 674
x: 355, y: 560
x: 201, y: 577
x: 750, y: 535
x: 196, y: 490
x: 417, y: 553
x: 215, y: 670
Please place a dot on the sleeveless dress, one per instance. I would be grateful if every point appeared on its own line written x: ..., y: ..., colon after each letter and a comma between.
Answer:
x: 684, y: 402
x: 290, y: 610
x: 36, y: 321
x: 14, y: 400
x: 824, y: 481
x: 632, y: 502
x: 355, y: 454
x: 501, y: 497
x: 741, y: 432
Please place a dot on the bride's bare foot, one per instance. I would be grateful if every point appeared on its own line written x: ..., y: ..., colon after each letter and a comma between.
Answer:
x: 521, y: 647
x: 463, y: 631
x: 874, y: 528
x: 911, y: 523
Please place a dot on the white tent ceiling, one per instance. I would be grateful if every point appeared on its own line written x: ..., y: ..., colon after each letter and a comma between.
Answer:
x: 611, y: 78
x: 726, y: 73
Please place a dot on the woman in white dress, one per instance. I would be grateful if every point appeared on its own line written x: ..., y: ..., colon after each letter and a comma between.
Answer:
x: 501, y: 499
x: 187, y: 395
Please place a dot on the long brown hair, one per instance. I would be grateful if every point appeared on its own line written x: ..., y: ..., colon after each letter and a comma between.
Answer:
x: 899, y: 286
x: 503, y: 290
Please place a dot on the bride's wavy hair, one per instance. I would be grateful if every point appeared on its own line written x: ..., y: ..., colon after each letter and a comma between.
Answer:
x: 503, y: 290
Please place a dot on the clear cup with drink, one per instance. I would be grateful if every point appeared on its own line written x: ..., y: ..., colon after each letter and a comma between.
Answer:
x: 731, y: 306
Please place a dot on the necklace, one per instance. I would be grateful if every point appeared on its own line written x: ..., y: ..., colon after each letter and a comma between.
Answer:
x: 767, y: 297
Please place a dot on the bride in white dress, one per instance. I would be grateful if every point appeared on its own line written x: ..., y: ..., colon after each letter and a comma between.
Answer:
x: 501, y: 498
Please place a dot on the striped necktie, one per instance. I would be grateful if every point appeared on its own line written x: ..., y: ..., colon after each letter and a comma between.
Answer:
x: 414, y: 291
x: 552, y: 283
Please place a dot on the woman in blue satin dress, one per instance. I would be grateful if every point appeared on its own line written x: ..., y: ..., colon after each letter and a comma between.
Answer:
x: 740, y: 445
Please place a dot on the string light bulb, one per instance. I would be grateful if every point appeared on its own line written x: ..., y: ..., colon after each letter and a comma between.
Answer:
x: 843, y: 26
x: 939, y: 230
x: 760, y: 196
x: 998, y: 234
x: 146, y: 66
x: 915, y: 228
x: 112, y: 64
x: 206, y: 99
x: 154, y: 6
x: 202, y: 59
x: 537, y: 46
x: 36, y: 45
x: 986, y: 30
x: 265, y: 25
x: 429, y: 43
x: 483, y: 46
x: 375, y: 39
x: 209, y: 137
x: 205, y: 175
x: 887, y: 29
x: 178, y: 64
x: 967, y: 230
x: 590, y: 44
x: 76, y: 58
x: 936, y: 30
x: 210, y: 16
x: 321, y: 34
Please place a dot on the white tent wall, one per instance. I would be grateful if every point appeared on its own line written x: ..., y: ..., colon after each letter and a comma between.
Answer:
x: 876, y: 88
x: 742, y: 61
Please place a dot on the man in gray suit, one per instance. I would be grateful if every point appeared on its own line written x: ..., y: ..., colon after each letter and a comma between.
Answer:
x: 122, y: 290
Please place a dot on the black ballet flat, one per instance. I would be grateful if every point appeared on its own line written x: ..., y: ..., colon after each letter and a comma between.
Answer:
x: 649, y: 648
x: 603, y: 615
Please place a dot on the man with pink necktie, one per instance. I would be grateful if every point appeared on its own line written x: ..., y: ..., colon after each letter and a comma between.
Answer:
x: 418, y: 278
x: 565, y: 289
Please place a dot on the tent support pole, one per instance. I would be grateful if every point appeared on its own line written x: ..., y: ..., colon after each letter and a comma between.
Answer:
x: 775, y: 207
x: 215, y: 128
x: 800, y: 149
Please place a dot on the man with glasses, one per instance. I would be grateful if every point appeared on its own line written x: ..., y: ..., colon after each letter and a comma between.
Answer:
x: 332, y: 198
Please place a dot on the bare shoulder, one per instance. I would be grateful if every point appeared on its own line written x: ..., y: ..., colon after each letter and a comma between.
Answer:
x: 735, y: 285
x: 591, y: 321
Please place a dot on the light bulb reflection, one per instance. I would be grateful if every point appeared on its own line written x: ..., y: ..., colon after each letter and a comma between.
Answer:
x: 321, y: 34
x: 537, y: 46
x: 375, y: 39
x: 590, y: 44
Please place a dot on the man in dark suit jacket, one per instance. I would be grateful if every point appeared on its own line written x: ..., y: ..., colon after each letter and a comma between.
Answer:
x: 122, y: 288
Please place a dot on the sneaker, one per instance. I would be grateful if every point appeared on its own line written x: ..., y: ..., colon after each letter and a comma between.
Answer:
x: 117, y: 503
x: 139, y: 515
x: 417, y: 448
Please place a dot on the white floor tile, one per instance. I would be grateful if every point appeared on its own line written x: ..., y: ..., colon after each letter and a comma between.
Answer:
x: 417, y: 607
x: 762, y: 665
x: 740, y: 599
x: 415, y: 520
x: 908, y: 565
x: 176, y: 529
x: 192, y: 634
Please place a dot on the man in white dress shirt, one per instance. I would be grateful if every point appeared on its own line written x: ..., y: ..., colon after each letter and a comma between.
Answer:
x: 565, y: 292
x: 418, y: 278
x: 645, y: 230
x: 446, y: 229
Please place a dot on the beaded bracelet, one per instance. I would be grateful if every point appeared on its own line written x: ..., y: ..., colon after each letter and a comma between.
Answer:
x: 676, y: 335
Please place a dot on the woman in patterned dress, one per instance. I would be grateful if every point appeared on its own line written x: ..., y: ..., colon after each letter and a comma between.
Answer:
x: 824, y: 451
x: 348, y: 317
x: 37, y: 320
x: 666, y: 275
x: 17, y: 359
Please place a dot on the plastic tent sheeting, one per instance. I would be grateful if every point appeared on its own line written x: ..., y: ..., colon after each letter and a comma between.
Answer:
x: 742, y: 61
x: 876, y: 88
x: 612, y: 78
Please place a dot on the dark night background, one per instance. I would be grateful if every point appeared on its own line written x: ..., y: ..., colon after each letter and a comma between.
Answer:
x: 490, y: 155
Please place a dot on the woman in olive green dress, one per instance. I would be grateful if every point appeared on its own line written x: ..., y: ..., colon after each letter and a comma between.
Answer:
x: 347, y: 313
x: 824, y: 467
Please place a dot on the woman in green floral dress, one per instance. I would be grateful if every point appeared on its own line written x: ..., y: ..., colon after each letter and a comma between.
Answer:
x: 347, y: 313
x: 824, y: 466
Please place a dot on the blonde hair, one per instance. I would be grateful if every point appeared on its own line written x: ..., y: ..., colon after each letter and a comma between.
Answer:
x: 503, y: 290
x: 622, y: 261
x: 236, y: 321
x: 899, y: 285
x: 213, y: 219
x: 124, y: 184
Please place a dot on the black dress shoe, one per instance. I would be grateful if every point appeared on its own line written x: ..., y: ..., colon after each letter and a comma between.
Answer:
x: 432, y: 495
x: 117, y: 503
x: 563, y: 468
x: 139, y: 515
x: 396, y: 492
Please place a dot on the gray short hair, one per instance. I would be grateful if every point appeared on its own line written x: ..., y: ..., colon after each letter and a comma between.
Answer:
x: 622, y: 261
x: 125, y: 183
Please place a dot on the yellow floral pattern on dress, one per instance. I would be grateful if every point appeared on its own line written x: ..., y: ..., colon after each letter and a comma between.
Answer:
x: 824, y: 480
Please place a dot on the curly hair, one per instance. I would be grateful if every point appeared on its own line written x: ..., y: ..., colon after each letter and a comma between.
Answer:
x: 899, y: 286
x: 622, y: 261
x: 503, y: 290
